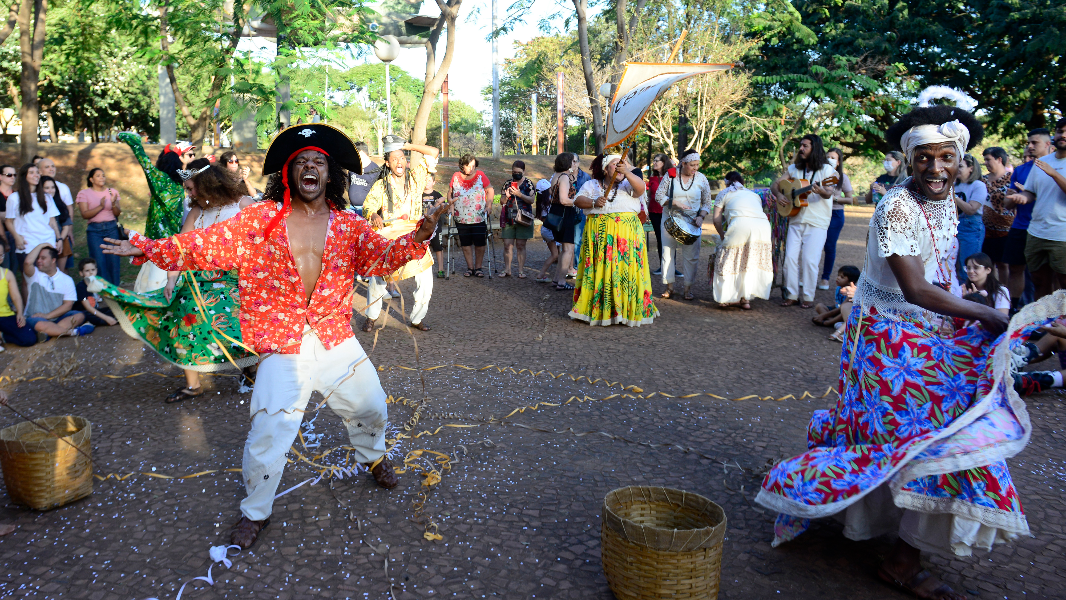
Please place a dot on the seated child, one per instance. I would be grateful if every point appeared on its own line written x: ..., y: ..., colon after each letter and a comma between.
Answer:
x: 828, y: 316
x: 96, y: 312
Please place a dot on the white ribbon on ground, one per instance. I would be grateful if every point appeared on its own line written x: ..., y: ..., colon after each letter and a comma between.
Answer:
x: 219, y: 554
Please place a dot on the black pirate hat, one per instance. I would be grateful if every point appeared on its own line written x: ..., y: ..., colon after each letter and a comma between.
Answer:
x: 328, y: 139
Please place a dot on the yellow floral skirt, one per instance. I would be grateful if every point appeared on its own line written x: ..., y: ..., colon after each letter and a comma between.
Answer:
x: 614, y: 283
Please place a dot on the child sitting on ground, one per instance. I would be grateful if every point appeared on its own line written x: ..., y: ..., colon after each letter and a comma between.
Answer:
x: 828, y: 316
x: 96, y: 312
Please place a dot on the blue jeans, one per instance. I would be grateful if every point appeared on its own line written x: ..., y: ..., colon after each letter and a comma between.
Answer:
x: 13, y: 334
x: 836, y: 224
x: 579, y: 230
x: 107, y: 264
x: 971, y: 235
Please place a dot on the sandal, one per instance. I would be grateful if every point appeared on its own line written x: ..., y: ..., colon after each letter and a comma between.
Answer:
x: 564, y: 286
x: 419, y: 327
x: 440, y: 274
x: 502, y: 275
x: 469, y: 272
x: 920, y: 585
x: 789, y: 302
x: 806, y: 305
x: 245, y: 532
x: 478, y: 273
x: 182, y: 394
x: 368, y: 325
x: 667, y: 294
x: 689, y: 296
x: 745, y: 305
x: 837, y: 336
x: 544, y: 280
x: 521, y: 275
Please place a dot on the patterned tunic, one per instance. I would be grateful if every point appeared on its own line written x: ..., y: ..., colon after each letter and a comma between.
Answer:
x: 167, y: 205
x: 273, y: 311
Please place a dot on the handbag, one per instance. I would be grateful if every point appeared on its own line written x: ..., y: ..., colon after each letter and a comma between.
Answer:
x: 66, y: 249
x: 523, y: 217
x: 554, y: 220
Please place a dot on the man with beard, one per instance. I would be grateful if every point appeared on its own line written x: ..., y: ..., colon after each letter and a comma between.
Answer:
x: 393, y: 206
x: 1045, y: 248
x: 296, y: 255
x: 808, y: 229
x: 916, y: 444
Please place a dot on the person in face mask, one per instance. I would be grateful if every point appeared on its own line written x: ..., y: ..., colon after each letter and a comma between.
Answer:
x: 895, y: 173
x: 842, y: 195
x: 517, y: 196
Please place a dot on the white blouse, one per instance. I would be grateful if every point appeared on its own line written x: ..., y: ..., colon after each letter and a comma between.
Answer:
x: 624, y: 201
x: 904, y: 224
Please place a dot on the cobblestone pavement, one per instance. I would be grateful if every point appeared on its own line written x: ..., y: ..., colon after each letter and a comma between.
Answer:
x: 519, y: 509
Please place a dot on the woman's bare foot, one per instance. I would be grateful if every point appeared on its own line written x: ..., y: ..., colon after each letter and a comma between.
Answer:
x: 903, y: 570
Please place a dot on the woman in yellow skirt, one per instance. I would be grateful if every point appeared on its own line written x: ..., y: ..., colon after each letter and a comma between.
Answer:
x: 614, y: 282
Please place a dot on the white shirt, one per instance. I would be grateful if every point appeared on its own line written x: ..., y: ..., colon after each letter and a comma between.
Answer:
x: 819, y: 211
x: 64, y: 193
x: 32, y: 226
x: 1049, y: 209
x: 623, y: 201
x: 973, y: 192
x: 904, y: 226
x: 48, y: 292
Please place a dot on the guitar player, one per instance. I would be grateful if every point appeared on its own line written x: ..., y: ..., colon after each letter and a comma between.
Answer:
x: 807, y: 230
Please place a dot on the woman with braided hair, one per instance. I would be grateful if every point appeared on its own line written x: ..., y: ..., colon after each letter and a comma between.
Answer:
x: 917, y: 441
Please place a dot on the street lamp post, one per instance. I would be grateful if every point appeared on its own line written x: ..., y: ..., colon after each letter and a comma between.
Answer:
x: 387, y: 49
x: 495, y: 83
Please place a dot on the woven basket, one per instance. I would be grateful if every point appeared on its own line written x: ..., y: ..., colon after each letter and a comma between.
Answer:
x: 661, y: 543
x: 41, y: 471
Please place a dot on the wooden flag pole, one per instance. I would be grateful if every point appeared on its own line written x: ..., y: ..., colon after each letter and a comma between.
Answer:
x: 677, y: 46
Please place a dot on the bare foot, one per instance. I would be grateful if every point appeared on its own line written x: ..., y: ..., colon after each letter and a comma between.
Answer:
x: 903, y: 570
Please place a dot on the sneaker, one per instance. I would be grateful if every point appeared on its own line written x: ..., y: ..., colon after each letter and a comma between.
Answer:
x: 1027, y: 384
x: 395, y: 293
x: 1023, y: 355
x: 657, y: 272
x: 823, y: 284
x: 678, y: 274
x: 85, y: 329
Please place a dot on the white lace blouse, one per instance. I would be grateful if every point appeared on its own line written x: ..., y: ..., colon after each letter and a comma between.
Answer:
x: 624, y: 200
x: 905, y: 224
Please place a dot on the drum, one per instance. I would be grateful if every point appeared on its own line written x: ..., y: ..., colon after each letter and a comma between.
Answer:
x: 682, y: 231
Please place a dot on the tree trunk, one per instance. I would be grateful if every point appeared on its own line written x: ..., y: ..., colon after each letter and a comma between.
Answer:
x: 449, y: 15
x: 199, y: 124
x: 31, y: 22
x: 581, y: 7
x: 52, y: 135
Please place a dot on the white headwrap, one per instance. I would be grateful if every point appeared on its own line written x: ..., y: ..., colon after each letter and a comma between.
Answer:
x: 691, y: 156
x: 952, y: 131
x: 610, y: 158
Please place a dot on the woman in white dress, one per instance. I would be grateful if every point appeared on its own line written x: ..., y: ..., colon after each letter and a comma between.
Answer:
x: 743, y: 266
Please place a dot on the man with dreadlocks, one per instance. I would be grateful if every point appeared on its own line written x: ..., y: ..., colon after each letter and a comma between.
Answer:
x: 296, y: 256
x: 394, y: 205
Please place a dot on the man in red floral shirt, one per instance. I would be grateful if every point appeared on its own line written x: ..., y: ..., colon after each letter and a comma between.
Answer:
x: 296, y: 256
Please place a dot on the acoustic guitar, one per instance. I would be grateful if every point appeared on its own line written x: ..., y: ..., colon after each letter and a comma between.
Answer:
x: 796, y: 192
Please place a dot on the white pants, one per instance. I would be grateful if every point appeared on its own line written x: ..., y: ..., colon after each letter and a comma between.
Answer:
x: 377, y: 292
x: 687, y: 257
x: 803, y: 250
x: 283, y: 387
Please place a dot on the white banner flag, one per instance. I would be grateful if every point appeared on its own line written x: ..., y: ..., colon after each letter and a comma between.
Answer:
x: 641, y: 85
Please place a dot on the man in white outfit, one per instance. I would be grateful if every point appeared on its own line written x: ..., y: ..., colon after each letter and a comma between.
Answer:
x: 296, y: 255
x: 393, y: 206
x: 807, y: 230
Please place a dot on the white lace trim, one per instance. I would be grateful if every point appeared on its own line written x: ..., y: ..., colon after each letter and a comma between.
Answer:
x: 905, y: 225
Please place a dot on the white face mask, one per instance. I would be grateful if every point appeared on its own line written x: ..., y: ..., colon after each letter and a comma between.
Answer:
x: 832, y: 162
x: 889, y: 165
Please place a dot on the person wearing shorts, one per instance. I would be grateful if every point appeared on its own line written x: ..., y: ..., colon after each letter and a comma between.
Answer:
x: 1045, y: 247
x: 472, y: 195
x: 517, y: 195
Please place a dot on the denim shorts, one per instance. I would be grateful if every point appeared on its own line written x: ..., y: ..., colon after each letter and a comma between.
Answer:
x: 33, y: 321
